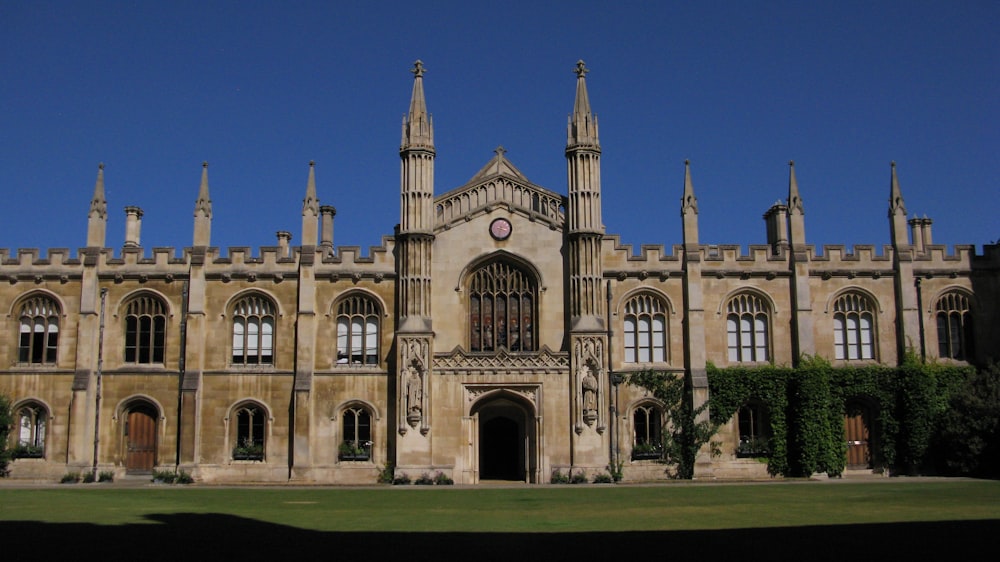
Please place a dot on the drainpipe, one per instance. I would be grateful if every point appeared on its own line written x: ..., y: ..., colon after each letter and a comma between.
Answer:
x: 100, y: 367
x: 920, y: 320
x: 181, y: 369
x: 613, y: 386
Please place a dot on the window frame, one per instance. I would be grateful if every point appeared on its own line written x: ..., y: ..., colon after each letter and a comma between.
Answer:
x: 647, y: 431
x: 748, y: 329
x: 38, y: 330
x: 358, y: 328
x: 855, y: 330
x: 753, y: 428
x: 953, y: 317
x: 357, y: 433
x: 145, y: 330
x: 32, y: 445
x: 642, y: 341
x: 253, y: 331
x: 250, y: 432
x: 502, y: 300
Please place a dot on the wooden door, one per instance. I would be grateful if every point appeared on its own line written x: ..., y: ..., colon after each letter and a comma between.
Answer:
x: 857, y: 435
x: 140, y: 440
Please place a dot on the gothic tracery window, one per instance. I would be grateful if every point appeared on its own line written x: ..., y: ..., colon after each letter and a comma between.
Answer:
x: 145, y: 330
x: 747, y: 328
x: 645, y: 330
x: 251, y: 438
x: 502, y: 300
x: 357, y: 331
x: 38, y: 339
x: 646, y: 426
x: 853, y: 327
x: 31, y: 431
x: 357, y: 433
x: 954, y: 326
x: 253, y: 331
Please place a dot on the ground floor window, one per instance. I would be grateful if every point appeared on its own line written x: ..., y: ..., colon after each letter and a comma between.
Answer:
x: 646, y: 424
x: 31, y: 432
x: 251, y: 423
x: 357, y: 435
x: 755, y: 431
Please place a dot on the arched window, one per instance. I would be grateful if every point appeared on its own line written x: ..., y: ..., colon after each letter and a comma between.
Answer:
x: 251, y: 433
x: 645, y: 330
x: 253, y: 331
x: 853, y: 327
x: 954, y: 326
x: 39, y: 331
x: 747, y: 327
x: 502, y: 301
x: 755, y: 431
x: 357, y: 432
x: 145, y: 330
x: 647, y: 422
x: 357, y: 331
x: 31, y: 431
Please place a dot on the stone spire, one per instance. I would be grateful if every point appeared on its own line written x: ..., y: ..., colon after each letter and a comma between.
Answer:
x: 689, y: 211
x: 897, y: 211
x: 203, y: 211
x: 796, y: 213
x: 418, y: 128
x: 97, y: 218
x: 310, y: 210
x: 416, y: 224
x: 583, y: 160
x: 582, y: 127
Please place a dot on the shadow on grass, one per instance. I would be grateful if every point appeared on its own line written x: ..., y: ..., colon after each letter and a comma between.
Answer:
x: 201, y: 537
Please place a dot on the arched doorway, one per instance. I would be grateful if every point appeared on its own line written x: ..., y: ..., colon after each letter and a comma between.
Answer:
x: 507, y: 439
x: 140, y: 438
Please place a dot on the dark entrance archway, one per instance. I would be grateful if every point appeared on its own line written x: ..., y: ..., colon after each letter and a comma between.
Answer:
x: 507, y: 440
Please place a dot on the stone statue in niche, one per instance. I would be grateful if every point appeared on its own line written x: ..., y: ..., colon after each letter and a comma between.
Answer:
x: 414, y: 393
x: 589, y: 384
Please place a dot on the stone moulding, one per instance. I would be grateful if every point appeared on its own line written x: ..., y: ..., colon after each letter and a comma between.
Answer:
x: 503, y: 362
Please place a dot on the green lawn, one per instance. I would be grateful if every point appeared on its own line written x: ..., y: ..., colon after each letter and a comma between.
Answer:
x: 519, y: 509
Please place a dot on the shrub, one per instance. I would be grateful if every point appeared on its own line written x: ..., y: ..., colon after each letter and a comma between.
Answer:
x: 558, y: 477
x: 442, y: 479
x: 70, y: 478
x: 385, y: 475
x: 184, y: 478
x: 401, y: 479
x: 6, y: 422
x: 578, y: 478
x: 88, y: 477
x: 602, y: 478
x: 106, y: 476
x: 424, y: 480
x: 164, y: 476
x: 966, y: 442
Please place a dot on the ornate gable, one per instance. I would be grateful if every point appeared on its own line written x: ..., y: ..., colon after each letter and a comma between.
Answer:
x: 499, y: 184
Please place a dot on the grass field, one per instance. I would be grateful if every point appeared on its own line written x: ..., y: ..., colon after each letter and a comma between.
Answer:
x: 769, y: 519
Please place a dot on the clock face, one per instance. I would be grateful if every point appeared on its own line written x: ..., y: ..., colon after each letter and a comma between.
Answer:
x: 500, y: 229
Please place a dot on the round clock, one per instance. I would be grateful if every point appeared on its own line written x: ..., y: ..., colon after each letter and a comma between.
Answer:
x: 500, y: 229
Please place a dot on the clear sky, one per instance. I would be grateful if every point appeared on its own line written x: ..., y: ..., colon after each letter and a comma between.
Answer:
x: 258, y: 89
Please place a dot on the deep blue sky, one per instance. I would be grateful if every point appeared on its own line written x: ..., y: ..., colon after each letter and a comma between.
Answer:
x: 258, y: 89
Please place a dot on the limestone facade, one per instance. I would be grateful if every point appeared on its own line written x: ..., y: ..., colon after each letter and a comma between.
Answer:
x: 484, y: 339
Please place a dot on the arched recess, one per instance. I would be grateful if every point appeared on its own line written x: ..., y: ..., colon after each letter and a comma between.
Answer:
x: 140, y: 419
x: 355, y: 425
x: 39, y: 319
x: 248, y: 430
x: 32, y: 417
x: 647, y: 417
x: 502, y: 293
x: 506, y: 437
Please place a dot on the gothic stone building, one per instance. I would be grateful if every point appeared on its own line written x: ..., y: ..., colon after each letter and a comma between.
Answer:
x: 482, y: 340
